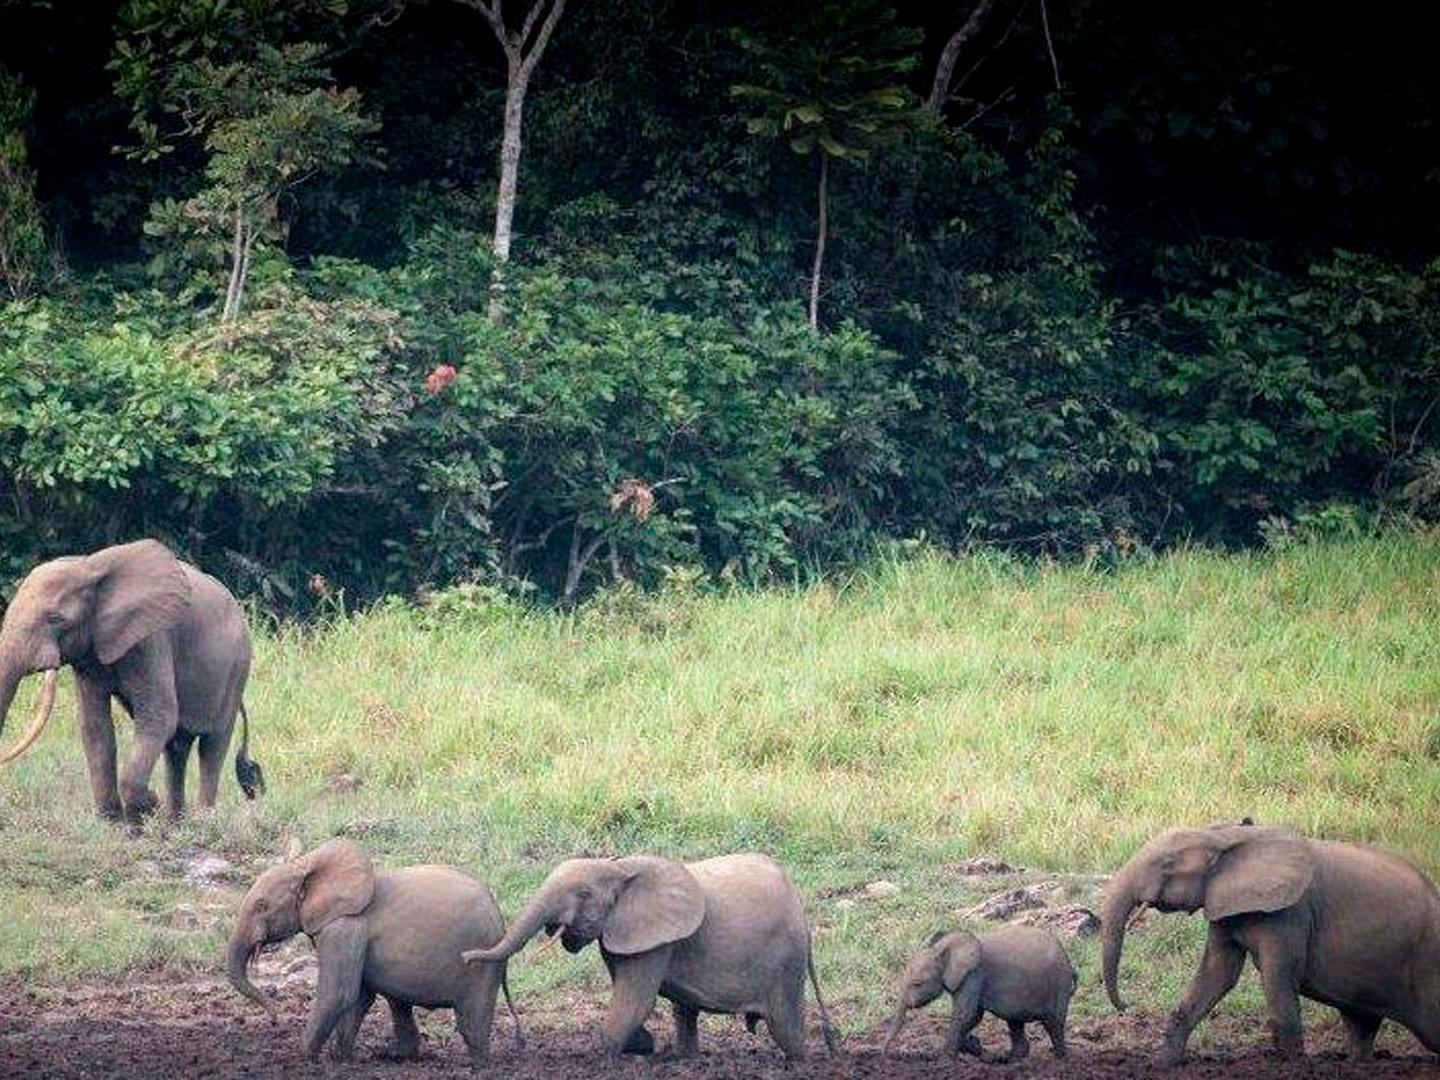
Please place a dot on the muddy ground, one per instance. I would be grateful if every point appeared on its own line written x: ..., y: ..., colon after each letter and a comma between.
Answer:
x: 199, y: 1028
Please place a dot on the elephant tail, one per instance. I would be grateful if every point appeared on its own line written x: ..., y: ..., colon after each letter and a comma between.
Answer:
x: 248, y: 773
x: 826, y: 1028
x: 515, y: 1016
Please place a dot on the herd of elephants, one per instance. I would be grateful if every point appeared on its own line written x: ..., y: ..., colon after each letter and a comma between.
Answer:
x: 1347, y: 925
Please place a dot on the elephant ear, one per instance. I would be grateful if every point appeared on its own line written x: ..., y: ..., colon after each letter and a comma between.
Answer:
x: 140, y: 589
x: 1266, y: 872
x: 339, y: 880
x: 961, y: 955
x: 660, y: 903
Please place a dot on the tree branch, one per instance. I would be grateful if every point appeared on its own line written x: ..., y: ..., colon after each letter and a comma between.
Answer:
x: 542, y: 39
x: 945, y: 67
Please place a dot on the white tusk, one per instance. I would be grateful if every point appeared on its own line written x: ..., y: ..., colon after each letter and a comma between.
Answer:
x: 43, y: 708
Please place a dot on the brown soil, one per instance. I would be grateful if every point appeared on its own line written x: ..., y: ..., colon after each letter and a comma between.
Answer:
x: 201, y: 1028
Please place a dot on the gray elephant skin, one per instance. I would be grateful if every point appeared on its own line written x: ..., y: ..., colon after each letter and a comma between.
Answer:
x: 1342, y: 924
x: 396, y: 934
x: 723, y: 935
x: 137, y: 624
x: 1019, y: 973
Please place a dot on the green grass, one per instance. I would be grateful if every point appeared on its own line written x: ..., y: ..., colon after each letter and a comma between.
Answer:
x: 918, y: 713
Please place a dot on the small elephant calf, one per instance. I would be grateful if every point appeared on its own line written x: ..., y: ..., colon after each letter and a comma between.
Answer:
x: 397, y: 934
x: 1019, y: 974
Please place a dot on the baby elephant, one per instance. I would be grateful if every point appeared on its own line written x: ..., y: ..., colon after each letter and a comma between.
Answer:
x: 398, y: 934
x: 1019, y: 973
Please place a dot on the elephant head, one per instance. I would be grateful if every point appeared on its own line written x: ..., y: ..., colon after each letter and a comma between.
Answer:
x: 631, y: 905
x: 941, y: 966
x: 99, y: 605
x: 306, y: 893
x: 1226, y: 869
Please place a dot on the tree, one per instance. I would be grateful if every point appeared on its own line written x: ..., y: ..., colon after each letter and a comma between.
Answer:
x: 523, y: 49
x: 830, y: 89
x: 268, y: 115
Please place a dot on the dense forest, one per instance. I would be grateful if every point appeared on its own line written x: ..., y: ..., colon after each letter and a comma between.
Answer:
x: 375, y: 296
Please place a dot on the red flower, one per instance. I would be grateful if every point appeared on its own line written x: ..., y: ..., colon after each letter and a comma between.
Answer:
x: 440, y: 378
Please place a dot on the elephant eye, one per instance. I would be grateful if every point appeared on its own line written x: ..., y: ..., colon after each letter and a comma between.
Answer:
x: 583, y: 892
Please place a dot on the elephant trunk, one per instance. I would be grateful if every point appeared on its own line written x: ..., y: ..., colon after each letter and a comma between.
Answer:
x: 895, y: 1025
x: 43, y: 708
x: 242, y: 947
x: 1121, y: 898
x: 534, y: 915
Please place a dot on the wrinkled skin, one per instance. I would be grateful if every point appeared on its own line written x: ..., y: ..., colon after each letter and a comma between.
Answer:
x: 397, y: 935
x: 1020, y: 974
x: 1342, y: 924
x: 169, y: 642
x: 724, y: 935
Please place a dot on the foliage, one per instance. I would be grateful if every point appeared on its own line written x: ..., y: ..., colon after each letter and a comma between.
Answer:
x: 24, y: 247
x: 835, y: 83
x: 1271, y: 392
x: 1054, y: 322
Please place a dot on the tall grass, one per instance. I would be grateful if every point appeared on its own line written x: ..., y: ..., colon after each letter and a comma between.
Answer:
x: 927, y: 709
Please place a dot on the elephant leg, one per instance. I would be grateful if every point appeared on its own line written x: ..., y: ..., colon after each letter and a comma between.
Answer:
x: 147, y: 683
x: 340, y: 950
x: 348, y: 1028
x: 1220, y: 969
x: 405, y: 1046
x: 687, y: 1029
x: 1282, y: 998
x: 637, y: 981
x: 177, y: 754
x: 1055, y: 1028
x: 785, y: 1018
x: 212, y: 763
x: 1361, y: 1028
x: 965, y: 1013
x: 97, y: 734
x: 475, y: 1012
x: 1019, y: 1044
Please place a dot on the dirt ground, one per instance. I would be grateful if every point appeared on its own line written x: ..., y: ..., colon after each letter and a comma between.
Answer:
x: 201, y: 1028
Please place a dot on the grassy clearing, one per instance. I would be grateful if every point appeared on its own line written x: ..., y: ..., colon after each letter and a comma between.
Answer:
x: 888, y: 726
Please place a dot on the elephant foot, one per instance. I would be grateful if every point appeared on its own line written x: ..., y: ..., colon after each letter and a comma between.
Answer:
x: 394, y: 1051
x: 1172, y: 1057
x: 970, y: 1045
x: 640, y: 1042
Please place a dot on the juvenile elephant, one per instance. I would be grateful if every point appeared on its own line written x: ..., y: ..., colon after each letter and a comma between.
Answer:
x: 1346, y: 925
x: 137, y: 624
x: 1019, y: 973
x: 724, y: 935
x: 397, y: 934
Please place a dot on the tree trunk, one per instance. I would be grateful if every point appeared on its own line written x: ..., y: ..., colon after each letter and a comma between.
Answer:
x: 822, y: 225
x: 523, y: 49
x: 237, y: 265
x: 515, y: 88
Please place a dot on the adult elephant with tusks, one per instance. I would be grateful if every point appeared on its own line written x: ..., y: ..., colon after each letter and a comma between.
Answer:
x: 724, y: 935
x: 137, y: 624
x: 1341, y: 924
